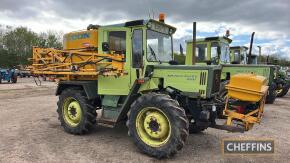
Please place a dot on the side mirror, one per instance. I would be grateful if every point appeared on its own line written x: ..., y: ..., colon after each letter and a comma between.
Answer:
x: 105, y: 46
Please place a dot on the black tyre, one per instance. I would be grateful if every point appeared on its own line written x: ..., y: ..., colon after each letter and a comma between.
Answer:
x: 222, y: 96
x: 14, y: 78
x: 271, y: 94
x: 0, y: 78
x: 76, y: 113
x: 223, y: 91
x: 283, y: 91
x: 158, y: 125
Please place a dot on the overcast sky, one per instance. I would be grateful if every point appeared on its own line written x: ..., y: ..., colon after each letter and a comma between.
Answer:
x: 270, y: 19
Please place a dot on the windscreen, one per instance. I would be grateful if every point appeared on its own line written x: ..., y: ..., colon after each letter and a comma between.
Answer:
x: 159, y: 46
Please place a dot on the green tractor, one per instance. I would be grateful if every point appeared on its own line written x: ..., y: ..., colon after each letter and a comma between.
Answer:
x: 160, y: 101
x: 283, y: 84
x: 127, y: 72
x: 216, y: 51
x: 280, y: 79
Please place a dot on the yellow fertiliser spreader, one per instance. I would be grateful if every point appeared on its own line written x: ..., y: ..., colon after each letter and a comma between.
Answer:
x: 245, y: 100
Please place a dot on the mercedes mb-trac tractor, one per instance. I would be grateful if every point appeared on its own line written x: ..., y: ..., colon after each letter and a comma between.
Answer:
x: 216, y: 51
x: 126, y: 71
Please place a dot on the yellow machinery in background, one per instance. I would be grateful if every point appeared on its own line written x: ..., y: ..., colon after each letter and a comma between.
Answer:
x: 79, y: 60
x: 81, y: 40
x: 245, y: 100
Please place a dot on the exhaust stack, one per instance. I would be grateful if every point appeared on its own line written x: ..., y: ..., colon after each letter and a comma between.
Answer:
x: 193, y: 42
x: 250, y: 51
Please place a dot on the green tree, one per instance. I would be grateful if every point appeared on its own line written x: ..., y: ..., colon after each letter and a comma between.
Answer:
x: 16, y: 44
x: 19, y: 42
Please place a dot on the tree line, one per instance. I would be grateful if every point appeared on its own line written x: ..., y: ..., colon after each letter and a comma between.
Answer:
x: 16, y: 44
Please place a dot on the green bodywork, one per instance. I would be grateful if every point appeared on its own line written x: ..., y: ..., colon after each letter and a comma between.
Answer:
x: 228, y: 68
x: 262, y: 70
x: 192, y: 81
x: 195, y: 81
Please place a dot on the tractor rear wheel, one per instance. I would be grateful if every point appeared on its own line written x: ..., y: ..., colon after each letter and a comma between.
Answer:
x: 271, y: 94
x: 158, y: 125
x: 283, y: 91
x: 76, y: 113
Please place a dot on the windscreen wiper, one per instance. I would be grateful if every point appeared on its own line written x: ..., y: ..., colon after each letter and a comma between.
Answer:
x: 153, y: 53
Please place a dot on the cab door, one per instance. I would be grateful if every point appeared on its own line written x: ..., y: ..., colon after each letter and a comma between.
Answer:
x: 138, y: 52
x: 119, y: 40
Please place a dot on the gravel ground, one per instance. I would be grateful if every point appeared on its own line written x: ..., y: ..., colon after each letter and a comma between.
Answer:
x: 31, y: 132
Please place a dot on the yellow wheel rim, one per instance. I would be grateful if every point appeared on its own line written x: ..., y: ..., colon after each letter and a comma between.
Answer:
x: 279, y: 90
x: 153, y: 126
x: 72, y: 112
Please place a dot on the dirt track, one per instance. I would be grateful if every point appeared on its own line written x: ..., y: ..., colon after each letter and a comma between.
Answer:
x: 31, y: 132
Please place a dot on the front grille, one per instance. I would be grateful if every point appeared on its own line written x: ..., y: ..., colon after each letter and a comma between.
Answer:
x: 202, y: 78
x: 202, y: 92
x: 216, y: 81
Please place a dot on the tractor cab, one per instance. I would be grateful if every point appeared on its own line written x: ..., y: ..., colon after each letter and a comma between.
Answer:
x: 148, y: 41
x: 238, y: 54
x: 210, y: 51
x: 254, y: 59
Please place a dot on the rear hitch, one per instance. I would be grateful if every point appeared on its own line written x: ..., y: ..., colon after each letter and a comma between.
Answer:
x: 229, y: 128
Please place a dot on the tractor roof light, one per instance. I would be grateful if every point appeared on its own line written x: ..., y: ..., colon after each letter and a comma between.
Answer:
x: 228, y: 33
x: 161, y: 17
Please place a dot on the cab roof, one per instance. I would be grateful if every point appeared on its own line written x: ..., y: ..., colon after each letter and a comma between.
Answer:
x: 217, y: 38
x: 140, y: 22
x: 239, y: 47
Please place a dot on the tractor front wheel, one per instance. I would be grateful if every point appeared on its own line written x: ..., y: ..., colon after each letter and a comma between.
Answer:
x: 76, y: 113
x: 223, y: 91
x: 158, y: 125
x: 283, y: 91
x: 222, y: 96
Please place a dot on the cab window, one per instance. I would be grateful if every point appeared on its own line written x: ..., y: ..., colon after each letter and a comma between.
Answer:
x: 117, y: 41
x: 237, y: 56
x: 201, y: 51
x: 225, y: 53
x: 137, y: 45
x: 214, y: 50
